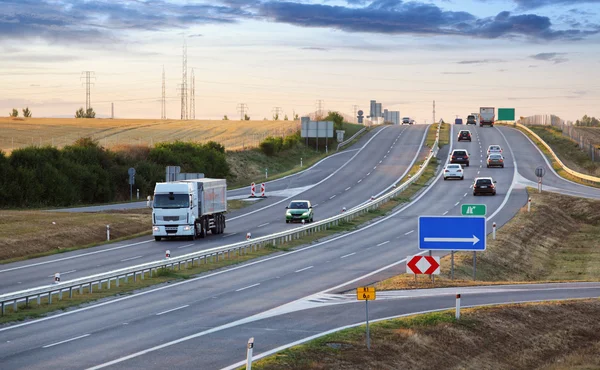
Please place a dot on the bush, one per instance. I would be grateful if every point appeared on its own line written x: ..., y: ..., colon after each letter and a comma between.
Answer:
x: 271, y: 145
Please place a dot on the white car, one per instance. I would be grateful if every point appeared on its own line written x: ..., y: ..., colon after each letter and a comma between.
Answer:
x: 494, y: 149
x: 454, y: 170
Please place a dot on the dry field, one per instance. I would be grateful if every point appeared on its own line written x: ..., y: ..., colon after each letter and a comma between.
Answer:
x: 553, y: 336
x: 235, y: 135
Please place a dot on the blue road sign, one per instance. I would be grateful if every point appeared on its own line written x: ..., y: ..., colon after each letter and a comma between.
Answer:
x: 452, y: 233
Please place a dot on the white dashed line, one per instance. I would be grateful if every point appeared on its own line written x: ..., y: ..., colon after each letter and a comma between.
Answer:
x: 375, y: 167
x: 445, y: 213
x: 359, y: 181
x: 457, y: 203
x: 315, y: 205
x: 185, y: 246
x: 248, y: 287
x: 348, y: 188
x: 380, y: 244
x: 65, y: 341
x: 465, y: 194
x: 331, y: 197
x: 263, y: 224
x: 379, y: 163
x: 304, y: 269
x: 410, y: 232
x: 228, y: 235
x: 72, y: 271
x: 368, y: 173
x: 171, y: 310
x: 348, y: 255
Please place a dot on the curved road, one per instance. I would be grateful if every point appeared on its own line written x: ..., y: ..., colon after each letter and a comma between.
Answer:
x: 191, y: 317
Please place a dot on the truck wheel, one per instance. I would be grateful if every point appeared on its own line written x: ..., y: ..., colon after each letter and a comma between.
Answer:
x: 157, y: 238
x: 203, y: 228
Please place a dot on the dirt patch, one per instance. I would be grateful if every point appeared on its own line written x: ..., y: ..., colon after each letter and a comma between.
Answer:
x: 531, y: 336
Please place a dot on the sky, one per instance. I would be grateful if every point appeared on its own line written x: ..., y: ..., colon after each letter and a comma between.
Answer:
x: 537, y: 56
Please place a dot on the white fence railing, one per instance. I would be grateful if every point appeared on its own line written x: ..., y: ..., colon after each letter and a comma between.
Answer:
x: 241, y: 248
x: 351, y: 138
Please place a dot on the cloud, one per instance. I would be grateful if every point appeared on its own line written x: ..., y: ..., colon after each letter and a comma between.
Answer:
x: 315, y: 48
x: 481, y: 61
x: 457, y: 73
x: 398, y: 17
x: 550, y: 57
x: 533, y: 4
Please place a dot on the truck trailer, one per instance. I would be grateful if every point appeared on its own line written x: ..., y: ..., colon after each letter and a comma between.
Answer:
x: 487, y: 116
x: 189, y: 208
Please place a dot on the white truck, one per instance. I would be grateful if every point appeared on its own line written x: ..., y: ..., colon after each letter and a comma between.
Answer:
x: 189, y: 208
x: 487, y: 116
x: 407, y: 120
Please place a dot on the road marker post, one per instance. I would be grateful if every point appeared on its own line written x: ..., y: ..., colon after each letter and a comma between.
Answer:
x: 529, y: 205
x: 366, y: 293
x: 458, y: 307
x: 57, y: 278
x: 262, y: 190
x: 249, y: 353
x: 494, y: 231
x: 107, y: 233
x: 248, y: 235
x: 168, y: 254
x: 252, y: 190
x: 300, y: 162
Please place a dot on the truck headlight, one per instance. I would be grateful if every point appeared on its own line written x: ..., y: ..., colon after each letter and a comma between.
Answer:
x: 187, y: 228
x: 155, y: 228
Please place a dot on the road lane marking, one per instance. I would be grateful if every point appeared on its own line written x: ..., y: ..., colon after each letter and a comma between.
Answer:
x: 264, y: 224
x: 457, y: 203
x: 315, y: 205
x: 410, y: 232
x: 380, y: 162
x: 478, y: 172
x: 131, y: 258
x: 368, y: 173
x: 445, y: 213
x: 348, y: 188
x: 465, y: 195
x: 66, y: 341
x: 359, y: 181
x: 228, y: 235
x: 348, y: 255
x: 304, y: 269
x: 171, y: 310
x: 375, y: 167
x: 185, y: 246
x: 380, y: 244
x: 248, y: 287
x: 331, y: 197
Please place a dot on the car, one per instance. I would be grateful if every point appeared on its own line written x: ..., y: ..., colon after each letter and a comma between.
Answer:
x: 484, y: 185
x: 299, y: 210
x: 459, y: 156
x: 406, y: 120
x: 471, y: 120
x: 453, y: 171
x: 495, y: 160
x: 464, y: 135
x: 494, y: 149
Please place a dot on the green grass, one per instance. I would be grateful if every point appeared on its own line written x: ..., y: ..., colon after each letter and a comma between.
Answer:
x: 38, y: 311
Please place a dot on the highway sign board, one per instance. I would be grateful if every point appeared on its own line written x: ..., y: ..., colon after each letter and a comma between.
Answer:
x: 452, y: 233
x: 428, y: 265
x: 506, y: 114
x: 474, y: 209
x: 540, y: 171
x: 365, y: 293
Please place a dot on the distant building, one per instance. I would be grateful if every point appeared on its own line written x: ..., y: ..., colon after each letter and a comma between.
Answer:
x: 391, y: 116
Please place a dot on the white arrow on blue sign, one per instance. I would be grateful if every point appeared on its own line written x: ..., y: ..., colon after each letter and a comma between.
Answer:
x: 452, y: 233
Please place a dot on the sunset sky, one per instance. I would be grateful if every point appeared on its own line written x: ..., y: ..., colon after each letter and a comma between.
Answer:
x: 538, y: 56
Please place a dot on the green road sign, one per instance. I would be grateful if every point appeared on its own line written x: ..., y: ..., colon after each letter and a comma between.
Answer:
x: 506, y: 114
x: 474, y: 209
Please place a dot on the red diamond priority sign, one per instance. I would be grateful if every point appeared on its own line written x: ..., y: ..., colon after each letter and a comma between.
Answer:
x: 427, y: 265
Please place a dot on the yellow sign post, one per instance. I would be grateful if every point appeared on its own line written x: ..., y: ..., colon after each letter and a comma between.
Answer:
x: 366, y: 293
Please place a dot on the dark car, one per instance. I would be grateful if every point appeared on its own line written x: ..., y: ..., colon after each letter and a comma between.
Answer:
x: 464, y: 135
x: 460, y: 156
x: 484, y: 185
x: 471, y: 120
x: 495, y: 160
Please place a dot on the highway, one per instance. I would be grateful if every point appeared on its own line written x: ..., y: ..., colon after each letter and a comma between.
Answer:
x: 346, y: 180
x: 190, y: 318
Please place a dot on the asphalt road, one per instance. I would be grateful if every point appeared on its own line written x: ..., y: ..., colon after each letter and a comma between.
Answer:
x: 346, y: 180
x: 191, y: 318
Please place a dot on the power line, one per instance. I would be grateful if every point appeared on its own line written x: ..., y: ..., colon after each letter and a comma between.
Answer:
x: 163, y: 103
x: 320, y: 107
x: 88, y: 82
x: 354, y: 108
x: 184, y: 107
x: 433, y: 112
x: 193, y: 97
x: 242, y: 108
x: 277, y: 112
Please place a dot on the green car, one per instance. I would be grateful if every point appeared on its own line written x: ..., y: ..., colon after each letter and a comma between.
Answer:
x: 299, y: 210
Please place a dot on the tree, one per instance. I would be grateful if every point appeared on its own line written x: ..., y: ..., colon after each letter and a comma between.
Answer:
x: 296, y: 117
x: 225, y: 118
x: 80, y: 113
x: 337, y: 119
x: 285, y: 118
x: 276, y: 116
x: 89, y: 113
x: 246, y: 117
x: 15, y: 113
x: 26, y: 112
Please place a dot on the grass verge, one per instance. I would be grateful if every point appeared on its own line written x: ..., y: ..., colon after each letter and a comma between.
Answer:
x: 33, y: 234
x: 555, y: 335
x: 563, y: 155
x: 35, y: 311
x: 557, y: 241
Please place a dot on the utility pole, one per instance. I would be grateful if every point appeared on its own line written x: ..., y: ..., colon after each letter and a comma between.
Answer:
x: 277, y: 112
x: 242, y: 108
x: 89, y: 75
x: 163, y: 102
x: 184, y: 107
x: 354, y: 108
x: 319, y: 108
x: 112, y: 110
x: 434, y: 111
x: 193, y: 97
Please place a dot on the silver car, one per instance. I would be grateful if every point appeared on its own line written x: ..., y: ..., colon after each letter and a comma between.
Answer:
x: 495, y: 160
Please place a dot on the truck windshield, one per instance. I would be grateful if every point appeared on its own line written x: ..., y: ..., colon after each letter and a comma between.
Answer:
x: 171, y: 201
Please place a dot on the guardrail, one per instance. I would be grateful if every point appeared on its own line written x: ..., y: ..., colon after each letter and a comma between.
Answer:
x: 351, y: 138
x: 579, y: 175
x: 241, y: 248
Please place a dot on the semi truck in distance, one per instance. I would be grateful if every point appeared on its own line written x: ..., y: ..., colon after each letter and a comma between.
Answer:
x: 189, y: 208
x: 487, y: 116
